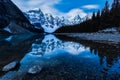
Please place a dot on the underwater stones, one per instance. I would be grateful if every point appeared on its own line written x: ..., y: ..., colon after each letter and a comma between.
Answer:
x: 35, y: 69
x: 10, y: 66
x: 104, y: 70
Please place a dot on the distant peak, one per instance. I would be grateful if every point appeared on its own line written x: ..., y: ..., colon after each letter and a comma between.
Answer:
x: 48, y: 15
x: 35, y: 10
x: 77, y: 16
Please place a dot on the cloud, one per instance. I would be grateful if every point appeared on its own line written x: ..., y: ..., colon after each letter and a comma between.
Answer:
x: 91, y: 6
x: 31, y: 4
x: 47, y: 6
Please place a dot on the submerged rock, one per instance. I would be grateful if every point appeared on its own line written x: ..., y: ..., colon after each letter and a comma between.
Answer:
x: 4, y: 21
x: 10, y: 66
x: 104, y: 70
x: 34, y: 69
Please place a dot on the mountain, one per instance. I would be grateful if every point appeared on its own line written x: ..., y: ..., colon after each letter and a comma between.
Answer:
x: 48, y: 21
x: 107, y: 17
x: 50, y: 43
x: 13, y: 20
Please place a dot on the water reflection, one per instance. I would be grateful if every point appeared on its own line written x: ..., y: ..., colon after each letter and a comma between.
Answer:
x: 50, y: 43
x: 61, y: 58
x: 109, y: 50
x: 13, y: 48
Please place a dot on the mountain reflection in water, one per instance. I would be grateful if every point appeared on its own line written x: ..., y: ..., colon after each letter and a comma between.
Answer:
x: 61, y: 58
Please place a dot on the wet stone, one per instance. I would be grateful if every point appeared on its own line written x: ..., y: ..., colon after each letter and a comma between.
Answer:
x: 34, y: 69
x: 10, y: 66
x: 104, y: 70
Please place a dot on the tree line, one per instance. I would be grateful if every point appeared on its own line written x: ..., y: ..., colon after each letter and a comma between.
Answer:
x: 108, y: 17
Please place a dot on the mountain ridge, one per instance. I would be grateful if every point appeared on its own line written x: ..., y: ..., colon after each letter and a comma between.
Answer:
x: 49, y: 22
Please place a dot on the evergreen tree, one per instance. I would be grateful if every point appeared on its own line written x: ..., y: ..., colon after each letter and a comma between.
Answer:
x: 115, y: 13
x: 105, y: 10
x: 93, y: 15
x: 98, y: 14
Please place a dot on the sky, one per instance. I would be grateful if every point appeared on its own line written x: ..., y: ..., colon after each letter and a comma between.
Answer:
x: 62, y: 7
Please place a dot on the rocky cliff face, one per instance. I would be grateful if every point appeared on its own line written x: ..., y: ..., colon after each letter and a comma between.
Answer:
x: 13, y: 20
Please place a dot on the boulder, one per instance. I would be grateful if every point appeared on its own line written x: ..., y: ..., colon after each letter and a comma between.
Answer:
x: 10, y: 66
x: 35, y: 69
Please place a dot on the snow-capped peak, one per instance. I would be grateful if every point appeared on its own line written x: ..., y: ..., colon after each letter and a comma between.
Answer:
x: 71, y: 14
x: 76, y: 19
x: 49, y: 22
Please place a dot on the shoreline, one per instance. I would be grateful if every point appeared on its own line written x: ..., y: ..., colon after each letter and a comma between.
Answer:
x: 99, y: 37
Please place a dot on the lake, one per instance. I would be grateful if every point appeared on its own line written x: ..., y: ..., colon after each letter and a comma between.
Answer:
x: 58, y: 57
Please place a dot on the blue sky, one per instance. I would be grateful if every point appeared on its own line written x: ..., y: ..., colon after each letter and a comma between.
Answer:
x: 62, y: 7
